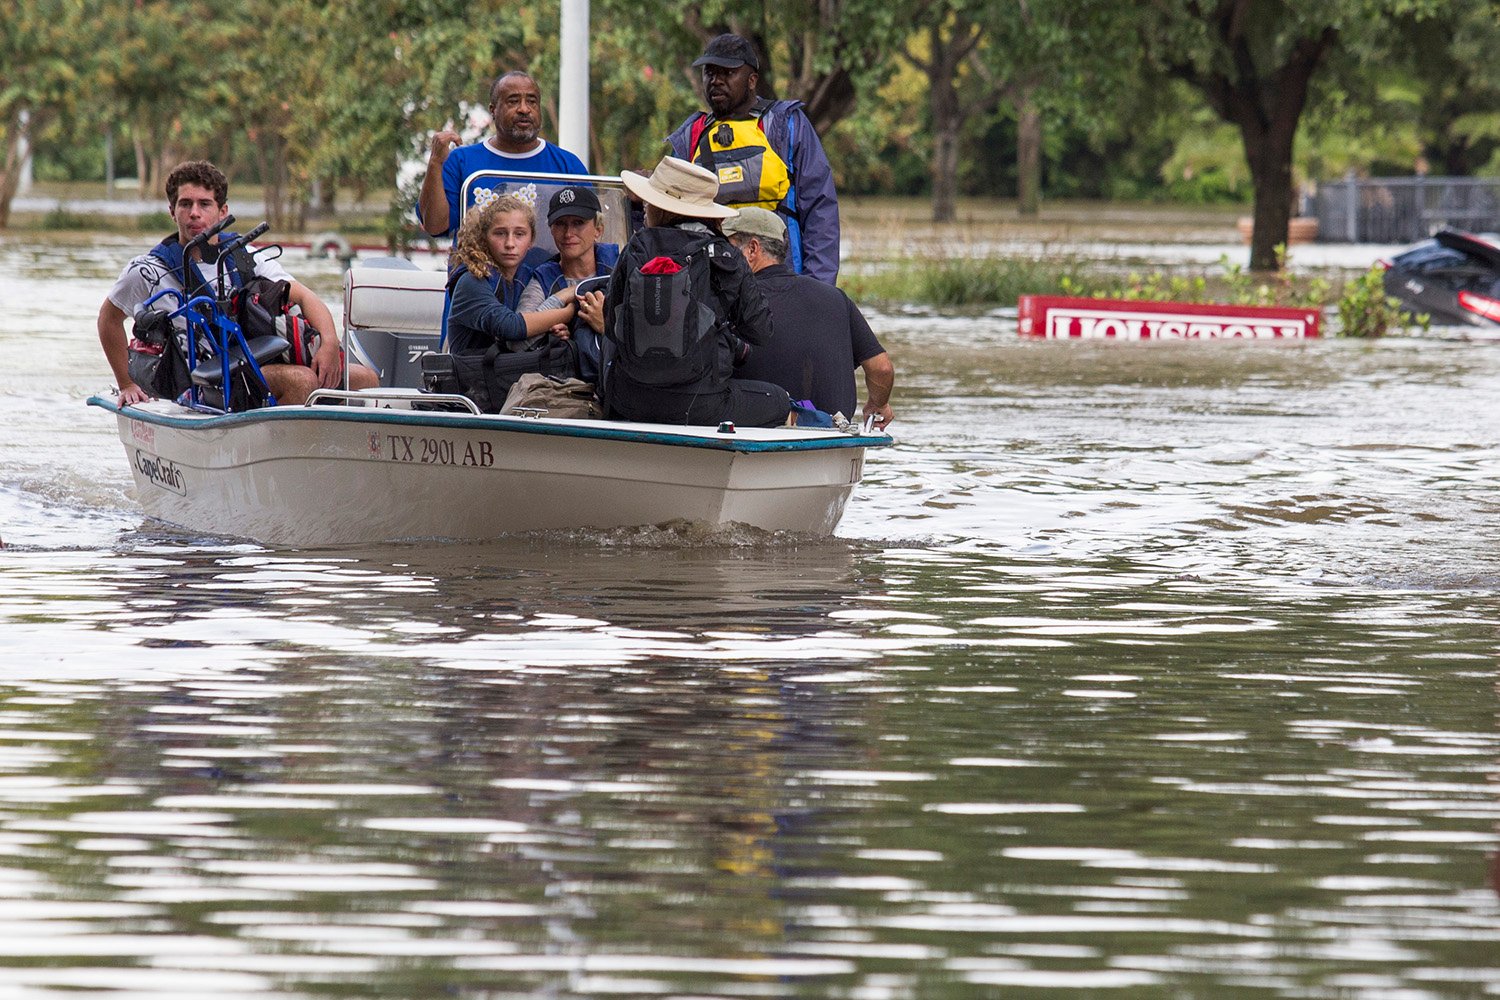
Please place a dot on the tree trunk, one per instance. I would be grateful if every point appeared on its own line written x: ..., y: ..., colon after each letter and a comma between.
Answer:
x: 10, y: 178
x: 830, y: 100
x: 18, y: 149
x: 1456, y: 158
x: 1267, y: 118
x: 1028, y: 153
x: 1270, y: 158
x: 947, y: 115
x: 944, y: 171
x: 269, y: 193
x: 153, y: 179
x: 1265, y: 104
x: 142, y: 166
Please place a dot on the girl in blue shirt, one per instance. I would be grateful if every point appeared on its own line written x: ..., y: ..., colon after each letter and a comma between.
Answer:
x: 485, y: 287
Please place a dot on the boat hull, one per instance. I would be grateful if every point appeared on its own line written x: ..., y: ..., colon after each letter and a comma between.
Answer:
x: 330, y: 476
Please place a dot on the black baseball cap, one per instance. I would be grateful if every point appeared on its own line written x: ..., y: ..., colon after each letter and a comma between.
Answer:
x: 728, y: 51
x: 578, y: 202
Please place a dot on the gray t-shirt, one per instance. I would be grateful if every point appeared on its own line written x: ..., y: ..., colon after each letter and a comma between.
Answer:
x: 534, y: 297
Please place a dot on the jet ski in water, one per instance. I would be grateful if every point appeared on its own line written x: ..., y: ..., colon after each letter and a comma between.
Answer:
x: 1454, y: 278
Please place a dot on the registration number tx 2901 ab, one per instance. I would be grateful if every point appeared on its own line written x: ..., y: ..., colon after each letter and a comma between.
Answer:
x: 437, y: 451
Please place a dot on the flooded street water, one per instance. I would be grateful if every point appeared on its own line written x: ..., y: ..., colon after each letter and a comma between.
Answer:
x: 1134, y: 670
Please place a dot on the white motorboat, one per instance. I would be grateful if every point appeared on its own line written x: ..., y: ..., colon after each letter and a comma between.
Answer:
x: 376, y: 470
x: 396, y: 463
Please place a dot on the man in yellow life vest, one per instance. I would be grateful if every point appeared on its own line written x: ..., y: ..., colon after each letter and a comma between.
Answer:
x: 765, y: 153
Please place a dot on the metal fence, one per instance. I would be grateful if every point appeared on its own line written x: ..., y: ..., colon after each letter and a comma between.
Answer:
x: 1404, y: 209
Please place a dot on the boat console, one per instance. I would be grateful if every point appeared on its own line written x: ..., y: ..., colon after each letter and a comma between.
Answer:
x: 393, y: 314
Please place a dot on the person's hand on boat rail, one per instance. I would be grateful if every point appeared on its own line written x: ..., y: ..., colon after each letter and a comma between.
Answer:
x: 132, y: 394
x: 880, y: 379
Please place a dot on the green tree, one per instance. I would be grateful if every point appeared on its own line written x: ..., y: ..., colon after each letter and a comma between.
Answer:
x: 1053, y: 58
x: 46, y: 69
x: 1254, y: 62
x: 159, y: 76
x: 1452, y: 64
x: 950, y: 33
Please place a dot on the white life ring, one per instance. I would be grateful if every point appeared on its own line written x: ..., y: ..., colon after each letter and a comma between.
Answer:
x: 330, y: 245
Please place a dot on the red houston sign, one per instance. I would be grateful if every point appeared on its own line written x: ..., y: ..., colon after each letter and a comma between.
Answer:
x: 1060, y: 316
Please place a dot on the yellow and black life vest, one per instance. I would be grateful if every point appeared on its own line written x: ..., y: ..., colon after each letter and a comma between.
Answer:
x: 749, y: 169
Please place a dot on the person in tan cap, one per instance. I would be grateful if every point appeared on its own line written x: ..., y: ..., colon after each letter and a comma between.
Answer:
x: 821, y: 336
x: 683, y: 309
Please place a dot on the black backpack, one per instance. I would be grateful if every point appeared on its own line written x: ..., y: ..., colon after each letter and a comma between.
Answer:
x: 666, y: 326
x: 263, y: 308
x: 157, y: 357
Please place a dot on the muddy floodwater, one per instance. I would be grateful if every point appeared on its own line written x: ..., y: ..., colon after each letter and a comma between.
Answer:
x: 1153, y: 670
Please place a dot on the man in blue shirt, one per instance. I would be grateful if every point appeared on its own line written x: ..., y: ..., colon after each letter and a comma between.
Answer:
x: 516, y: 109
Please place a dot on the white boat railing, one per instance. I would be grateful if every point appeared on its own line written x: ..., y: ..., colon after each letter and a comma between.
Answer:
x: 374, y: 397
x: 613, y: 199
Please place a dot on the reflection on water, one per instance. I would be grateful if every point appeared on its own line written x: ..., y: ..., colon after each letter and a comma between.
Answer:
x: 1138, y: 670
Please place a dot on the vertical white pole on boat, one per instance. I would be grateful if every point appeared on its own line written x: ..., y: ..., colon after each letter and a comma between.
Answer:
x: 573, y: 87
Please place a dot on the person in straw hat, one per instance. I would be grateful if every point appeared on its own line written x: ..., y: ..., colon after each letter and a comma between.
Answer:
x: 682, y: 310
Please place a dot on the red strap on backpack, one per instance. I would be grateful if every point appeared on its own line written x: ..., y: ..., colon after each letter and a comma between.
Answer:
x: 661, y: 265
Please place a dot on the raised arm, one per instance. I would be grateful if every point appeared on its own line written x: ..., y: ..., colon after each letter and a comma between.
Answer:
x: 433, y: 199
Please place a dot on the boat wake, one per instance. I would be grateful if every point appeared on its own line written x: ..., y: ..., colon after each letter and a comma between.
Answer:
x: 50, y: 516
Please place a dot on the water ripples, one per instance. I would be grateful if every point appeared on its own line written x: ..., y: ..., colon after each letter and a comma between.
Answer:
x: 1138, y: 670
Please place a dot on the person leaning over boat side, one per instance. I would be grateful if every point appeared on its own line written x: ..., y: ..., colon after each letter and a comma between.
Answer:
x: 682, y: 310
x: 198, y: 198
x: 573, y: 216
x: 489, y: 273
x: 821, y: 336
x: 516, y: 110
x: 765, y: 153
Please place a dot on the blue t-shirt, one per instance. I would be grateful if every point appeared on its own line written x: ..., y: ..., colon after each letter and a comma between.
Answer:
x: 481, y: 314
x: 466, y: 160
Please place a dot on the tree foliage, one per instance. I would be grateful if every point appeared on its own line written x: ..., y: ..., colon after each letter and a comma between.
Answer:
x: 46, y: 73
x: 1254, y: 63
x: 990, y: 98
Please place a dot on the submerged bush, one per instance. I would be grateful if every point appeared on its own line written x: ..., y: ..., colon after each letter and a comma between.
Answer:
x: 954, y: 282
x: 1365, y: 310
x: 62, y: 217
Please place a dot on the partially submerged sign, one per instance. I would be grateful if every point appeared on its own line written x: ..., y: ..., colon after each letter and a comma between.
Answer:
x: 1062, y: 316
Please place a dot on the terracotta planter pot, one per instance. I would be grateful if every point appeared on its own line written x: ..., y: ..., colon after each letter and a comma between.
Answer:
x: 1302, y: 229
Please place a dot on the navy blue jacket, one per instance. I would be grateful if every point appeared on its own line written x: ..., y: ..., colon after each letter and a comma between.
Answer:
x: 813, y: 218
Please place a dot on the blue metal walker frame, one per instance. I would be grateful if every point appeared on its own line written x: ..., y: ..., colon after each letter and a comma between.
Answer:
x: 219, y: 329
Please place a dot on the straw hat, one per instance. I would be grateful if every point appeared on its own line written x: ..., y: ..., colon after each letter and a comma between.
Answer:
x: 679, y: 187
